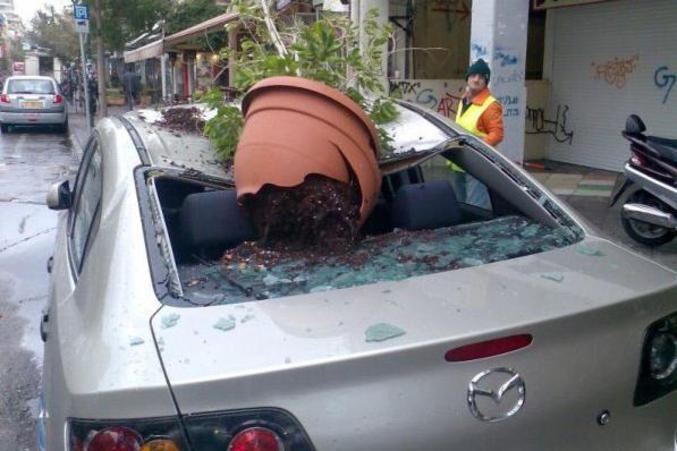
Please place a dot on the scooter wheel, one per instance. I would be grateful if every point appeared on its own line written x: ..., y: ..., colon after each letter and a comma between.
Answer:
x: 643, y: 232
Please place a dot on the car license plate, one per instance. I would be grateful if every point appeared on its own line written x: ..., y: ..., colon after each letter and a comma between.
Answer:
x: 32, y: 104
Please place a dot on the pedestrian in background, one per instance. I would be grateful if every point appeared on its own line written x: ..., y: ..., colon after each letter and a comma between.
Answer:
x: 93, y: 90
x: 482, y: 115
x: 130, y: 86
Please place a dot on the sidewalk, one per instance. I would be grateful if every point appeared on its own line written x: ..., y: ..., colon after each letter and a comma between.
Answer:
x: 566, y: 179
x: 588, y: 191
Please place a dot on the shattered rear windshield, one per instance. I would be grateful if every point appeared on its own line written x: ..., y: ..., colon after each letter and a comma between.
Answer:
x: 390, y: 257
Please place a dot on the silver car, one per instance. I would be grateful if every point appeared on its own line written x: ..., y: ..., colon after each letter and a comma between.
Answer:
x: 32, y: 100
x: 509, y: 326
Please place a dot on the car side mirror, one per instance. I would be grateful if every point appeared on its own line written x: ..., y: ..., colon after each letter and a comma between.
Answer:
x: 59, y: 196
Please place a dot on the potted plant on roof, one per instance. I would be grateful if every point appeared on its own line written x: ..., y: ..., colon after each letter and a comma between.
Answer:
x: 306, y: 139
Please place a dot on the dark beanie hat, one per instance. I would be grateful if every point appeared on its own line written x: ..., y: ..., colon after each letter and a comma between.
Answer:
x: 479, y: 67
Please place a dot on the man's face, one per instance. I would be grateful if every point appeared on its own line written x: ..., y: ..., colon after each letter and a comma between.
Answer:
x: 476, y: 82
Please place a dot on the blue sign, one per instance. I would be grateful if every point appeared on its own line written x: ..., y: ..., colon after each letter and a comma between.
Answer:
x: 81, y: 12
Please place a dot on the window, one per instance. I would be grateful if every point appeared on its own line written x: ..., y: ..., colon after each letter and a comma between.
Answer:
x: 30, y: 86
x: 88, y: 192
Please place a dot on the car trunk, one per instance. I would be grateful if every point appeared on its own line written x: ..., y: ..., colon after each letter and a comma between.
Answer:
x: 315, y: 355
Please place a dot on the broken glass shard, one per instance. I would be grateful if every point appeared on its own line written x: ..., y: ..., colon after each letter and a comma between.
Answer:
x: 382, y: 332
x: 389, y: 257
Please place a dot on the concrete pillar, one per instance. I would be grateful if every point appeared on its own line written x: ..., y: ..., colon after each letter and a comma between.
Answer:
x: 57, y: 70
x: 361, y: 7
x: 163, y: 75
x: 498, y: 34
x: 175, y: 74
x: 190, y: 67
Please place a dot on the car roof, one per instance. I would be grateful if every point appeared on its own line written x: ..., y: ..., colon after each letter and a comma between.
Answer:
x: 416, y: 130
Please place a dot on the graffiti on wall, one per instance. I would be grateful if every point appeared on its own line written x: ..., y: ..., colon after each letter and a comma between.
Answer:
x: 505, y: 58
x: 436, y: 95
x: 444, y: 96
x: 404, y: 87
x: 477, y: 51
x: 510, y: 104
x: 516, y: 76
x: 538, y: 124
x: 665, y: 80
x: 616, y: 71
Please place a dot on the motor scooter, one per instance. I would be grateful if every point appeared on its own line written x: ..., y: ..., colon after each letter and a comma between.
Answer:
x: 649, y: 178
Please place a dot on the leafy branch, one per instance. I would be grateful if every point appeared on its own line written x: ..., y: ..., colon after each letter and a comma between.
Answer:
x: 328, y: 51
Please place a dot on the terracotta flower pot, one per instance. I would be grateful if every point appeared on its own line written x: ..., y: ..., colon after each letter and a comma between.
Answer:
x: 295, y: 127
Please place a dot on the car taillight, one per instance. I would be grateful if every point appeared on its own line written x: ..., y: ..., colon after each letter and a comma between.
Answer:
x: 264, y: 429
x: 58, y: 98
x: 4, y: 98
x: 114, y: 439
x: 658, y: 370
x: 132, y: 435
x: 256, y: 439
x: 160, y: 444
x: 235, y: 430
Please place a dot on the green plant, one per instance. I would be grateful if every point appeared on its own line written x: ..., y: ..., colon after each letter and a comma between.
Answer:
x: 327, y: 51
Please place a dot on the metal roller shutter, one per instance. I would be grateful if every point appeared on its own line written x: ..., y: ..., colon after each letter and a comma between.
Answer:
x: 609, y: 60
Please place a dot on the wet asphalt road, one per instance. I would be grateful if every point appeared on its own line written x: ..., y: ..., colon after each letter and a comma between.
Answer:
x: 30, y: 161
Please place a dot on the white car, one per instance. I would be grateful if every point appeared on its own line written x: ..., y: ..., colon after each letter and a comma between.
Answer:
x: 513, y: 327
x: 32, y: 100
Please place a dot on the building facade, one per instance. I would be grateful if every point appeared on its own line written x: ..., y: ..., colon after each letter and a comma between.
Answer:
x: 588, y: 65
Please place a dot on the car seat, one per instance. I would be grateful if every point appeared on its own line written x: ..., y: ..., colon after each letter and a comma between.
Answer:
x: 428, y: 205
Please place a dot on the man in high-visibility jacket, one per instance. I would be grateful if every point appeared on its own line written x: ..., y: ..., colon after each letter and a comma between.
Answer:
x: 481, y: 114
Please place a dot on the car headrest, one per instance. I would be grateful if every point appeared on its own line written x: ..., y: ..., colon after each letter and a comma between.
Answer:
x: 425, y: 206
x: 214, y: 220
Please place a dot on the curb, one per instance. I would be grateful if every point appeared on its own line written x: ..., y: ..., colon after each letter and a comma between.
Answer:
x: 76, y: 146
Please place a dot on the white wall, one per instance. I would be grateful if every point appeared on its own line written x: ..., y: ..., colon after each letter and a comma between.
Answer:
x: 32, y: 65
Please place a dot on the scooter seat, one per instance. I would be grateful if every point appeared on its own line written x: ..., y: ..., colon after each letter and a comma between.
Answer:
x: 666, y: 148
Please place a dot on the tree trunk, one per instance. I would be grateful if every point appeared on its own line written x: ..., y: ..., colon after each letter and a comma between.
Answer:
x: 100, y: 61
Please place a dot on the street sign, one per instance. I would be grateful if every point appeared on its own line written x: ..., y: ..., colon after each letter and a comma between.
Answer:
x: 81, y: 12
x: 82, y: 26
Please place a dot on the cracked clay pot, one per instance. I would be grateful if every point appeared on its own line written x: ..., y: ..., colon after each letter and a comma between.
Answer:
x: 295, y: 127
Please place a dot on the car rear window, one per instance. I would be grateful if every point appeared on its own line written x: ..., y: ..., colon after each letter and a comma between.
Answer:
x: 30, y: 86
x: 380, y: 258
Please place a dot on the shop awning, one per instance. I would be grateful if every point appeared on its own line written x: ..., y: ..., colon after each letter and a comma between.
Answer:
x: 213, y: 24
x: 155, y: 49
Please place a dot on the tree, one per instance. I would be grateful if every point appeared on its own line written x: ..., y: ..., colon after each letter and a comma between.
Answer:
x: 123, y: 20
x: 115, y: 23
x: 188, y: 13
x: 56, y: 32
x: 16, y: 49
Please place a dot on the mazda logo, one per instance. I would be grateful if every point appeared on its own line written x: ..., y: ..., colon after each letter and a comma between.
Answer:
x: 496, y: 394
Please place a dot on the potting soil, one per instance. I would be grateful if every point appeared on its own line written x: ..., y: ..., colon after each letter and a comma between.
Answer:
x: 321, y: 213
x: 259, y: 273
x: 179, y: 119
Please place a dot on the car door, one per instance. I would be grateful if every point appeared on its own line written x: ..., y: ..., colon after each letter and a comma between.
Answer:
x: 76, y: 229
x: 75, y: 236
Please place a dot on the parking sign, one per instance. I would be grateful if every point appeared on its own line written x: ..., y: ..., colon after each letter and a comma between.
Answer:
x: 81, y: 12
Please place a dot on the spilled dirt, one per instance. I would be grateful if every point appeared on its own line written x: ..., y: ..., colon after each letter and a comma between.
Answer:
x: 321, y: 215
x: 188, y: 120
